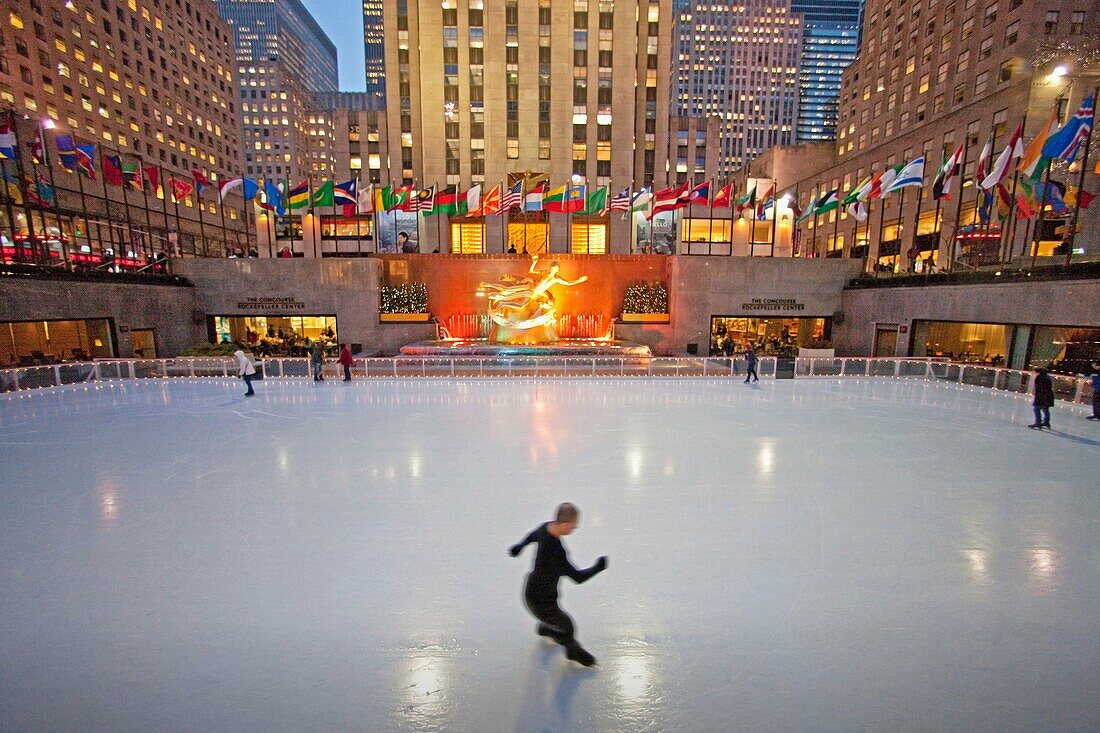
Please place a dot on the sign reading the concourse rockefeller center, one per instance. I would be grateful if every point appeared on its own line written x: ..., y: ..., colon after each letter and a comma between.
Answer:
x: 270, y: 304
x: 773, y: 304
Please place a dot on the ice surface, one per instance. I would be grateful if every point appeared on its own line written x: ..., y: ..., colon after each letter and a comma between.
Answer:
x: 830, y: 555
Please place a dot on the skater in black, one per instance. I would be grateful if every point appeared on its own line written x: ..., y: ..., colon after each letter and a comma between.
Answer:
x: 750, y: 365
x: 1044, y: 399
x: 541, y: 591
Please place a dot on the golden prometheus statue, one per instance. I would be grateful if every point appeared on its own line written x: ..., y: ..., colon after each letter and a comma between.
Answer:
x: 522, y: 310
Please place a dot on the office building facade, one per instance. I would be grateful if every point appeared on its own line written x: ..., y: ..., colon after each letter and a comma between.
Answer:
x: 830, y: 42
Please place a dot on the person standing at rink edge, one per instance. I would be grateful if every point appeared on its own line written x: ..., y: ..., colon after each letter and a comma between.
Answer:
x: 750, y: 365
x: 1044, y: 399
x: 551, y: 563
x: 1094, y: 380
x: 245, y: 370
x: 346, y: 361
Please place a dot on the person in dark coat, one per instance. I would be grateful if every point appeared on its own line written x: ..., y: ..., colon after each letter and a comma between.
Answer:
x: 1094, y: 380
x: 317, y: 361
x: 750, y: 365
x: 1044, y: 398
x: 346, y: 361
x: 541, y: 591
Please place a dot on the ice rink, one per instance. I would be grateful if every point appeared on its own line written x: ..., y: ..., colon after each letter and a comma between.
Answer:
x: 856, y: 555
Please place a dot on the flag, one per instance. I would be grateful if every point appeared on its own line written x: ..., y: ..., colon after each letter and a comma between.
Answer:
x: 11, y: 189
x: 249, y: 187
x: 749, y: 199
x: 882, y: 182
x: 66, y: 152
x: 152, y: 175
x: 490, y: 202
x: 941, y: 187
x: 856, y: 200
x: 1004, y: 201
x: 575, y: 197
x: 298, y: 196
x: 450, y: 201
x: 422, y: 200
x: 512, y: 197
x: 532, y: 201
x: 181, y: 189
x: 8, y: 143
x: 1073, y: 194
x: 394, y: 198
x: 1014, y: 149
x: 324, y: 195
x: 554, y: 199
x: 343, y: 194
x: 640, y: 200
x: 809, y: 210
x: 983, y: 160
x: 85, y: 159
x: 828, y: 202
x: 596, y: 203
x: 38, y: 147
x: 984, y: 206
x: 621, y: 201
x: 912, y: 175
x: 200, y: 180
x: 132, y: 174
x: 1033, y: 162
x: 112, y: 169
x: 1064, y: 144
x: 723, y: 197
x: 273, y: 197
x: 796, y: 210
x: 365, y: 200
x: 695, y: 195
x: 667, y: 199
x: 766, y: 202
x: 47, y: 196
x: 1054, y: 199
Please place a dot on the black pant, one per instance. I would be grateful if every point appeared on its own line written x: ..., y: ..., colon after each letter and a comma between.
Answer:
x: 556, y: 621
x: 1096, y: 404
x: 1042, y: 416
x: 750, y: 371
x: 347, y: 372
x: 248, y: 382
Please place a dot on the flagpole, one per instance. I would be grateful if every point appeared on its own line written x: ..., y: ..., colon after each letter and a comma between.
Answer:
x: 56, y: 197
x: 145, y: 201
x: 1038, y: 234
x: 916, y: 215
x: 221, y: 211
x: 836, y: 222
x: 125, y: 201
x: 1071, y: 232
x: 881, y: 228
x: 21, y: 185
x: 775, y: 222
x: 936, y: 223
x: 9, y: 203
x: 503, y: 226
x: 752, y: 234
x: 710, y: 224
x: 1004, y: 254
x: 958, y: 205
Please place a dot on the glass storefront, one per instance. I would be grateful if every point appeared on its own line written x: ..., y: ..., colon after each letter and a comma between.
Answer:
x: 770, y: 336
x: 1064, y: 349
x: 276, y: 335
x: 27, y: 343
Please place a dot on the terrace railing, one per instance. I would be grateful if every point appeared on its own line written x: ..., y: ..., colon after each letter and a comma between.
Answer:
x: 1066, y: 388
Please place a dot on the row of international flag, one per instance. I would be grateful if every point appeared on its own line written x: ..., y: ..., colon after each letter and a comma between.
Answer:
x: 1029, y: 191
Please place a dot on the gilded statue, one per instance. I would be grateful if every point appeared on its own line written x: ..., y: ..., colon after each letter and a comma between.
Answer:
x: 522, y: 309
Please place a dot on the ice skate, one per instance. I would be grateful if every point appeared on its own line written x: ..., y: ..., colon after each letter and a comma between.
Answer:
x: 581, y: 656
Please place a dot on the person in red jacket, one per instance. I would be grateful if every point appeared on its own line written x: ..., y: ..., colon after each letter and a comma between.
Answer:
x: 346, y: 361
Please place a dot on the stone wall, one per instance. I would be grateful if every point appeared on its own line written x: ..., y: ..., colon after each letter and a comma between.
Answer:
x: 168, y: 309
x: 1053, y: 303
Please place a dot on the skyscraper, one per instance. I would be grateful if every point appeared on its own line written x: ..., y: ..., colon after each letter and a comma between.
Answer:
x: 283, y: 57
x: 374, y: 44
x: 741, y: 64
x: 830, y: 42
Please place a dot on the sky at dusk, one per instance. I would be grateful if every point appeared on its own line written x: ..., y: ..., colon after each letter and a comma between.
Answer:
x: 342, y: 20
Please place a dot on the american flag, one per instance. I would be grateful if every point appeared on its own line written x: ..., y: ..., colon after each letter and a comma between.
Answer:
x: 512, y: 197
x: 621, y: 201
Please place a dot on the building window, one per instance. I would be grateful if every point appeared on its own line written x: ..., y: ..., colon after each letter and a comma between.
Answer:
x: 1050, y: 27
x: 981, y: 81
x: 986, y: 49
x: 1012, y: 33
x: 1077, y: 22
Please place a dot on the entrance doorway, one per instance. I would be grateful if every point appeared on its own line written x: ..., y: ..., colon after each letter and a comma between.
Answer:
x: 886, y: 341
x: 144, y: 343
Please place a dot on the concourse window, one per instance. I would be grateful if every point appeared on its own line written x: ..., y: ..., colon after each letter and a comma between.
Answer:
x: 275, y: 335
x: 30, y: 343
x: 770, y: 336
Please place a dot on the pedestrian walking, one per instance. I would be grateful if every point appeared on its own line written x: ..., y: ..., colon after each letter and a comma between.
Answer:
x: 1094, y: 379
x: 346, y: 361
x: 1044, y: 399
x: 750, y: 365
x: 245, y: 370
x: 317, y: 361
x: 541, y: 591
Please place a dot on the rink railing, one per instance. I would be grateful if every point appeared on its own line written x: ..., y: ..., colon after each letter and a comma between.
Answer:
x: 1069, y: 389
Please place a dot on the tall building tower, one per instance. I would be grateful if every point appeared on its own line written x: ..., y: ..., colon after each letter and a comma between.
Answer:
x: 740, y: 62
x: 478, y: 91
x: 374, y: 44
x: 830, y: 42
x: 283, y: 57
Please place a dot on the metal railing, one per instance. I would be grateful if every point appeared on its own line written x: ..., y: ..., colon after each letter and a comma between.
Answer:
x: 1067, y: 388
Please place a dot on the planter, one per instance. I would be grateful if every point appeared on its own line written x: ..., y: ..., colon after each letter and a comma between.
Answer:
x: 404, y: 317
x: 644, y: 317
x: 816, y: 353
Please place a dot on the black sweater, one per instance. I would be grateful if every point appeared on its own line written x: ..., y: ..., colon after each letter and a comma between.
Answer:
x: 551, y: 562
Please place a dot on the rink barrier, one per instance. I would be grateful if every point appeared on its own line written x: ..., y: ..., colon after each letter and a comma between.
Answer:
x: 1066, y: 388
